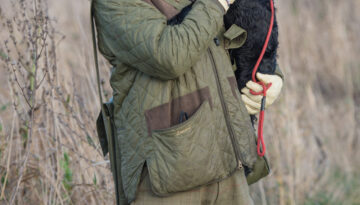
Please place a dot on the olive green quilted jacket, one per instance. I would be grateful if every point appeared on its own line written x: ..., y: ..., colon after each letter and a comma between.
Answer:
x: 162, y: 75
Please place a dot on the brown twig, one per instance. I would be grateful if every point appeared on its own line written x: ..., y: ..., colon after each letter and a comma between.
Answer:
x: 31, y: 123
x: 21, y: 88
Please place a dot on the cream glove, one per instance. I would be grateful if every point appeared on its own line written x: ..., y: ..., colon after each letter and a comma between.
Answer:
x: 253, y: 102
x: 226, y: 3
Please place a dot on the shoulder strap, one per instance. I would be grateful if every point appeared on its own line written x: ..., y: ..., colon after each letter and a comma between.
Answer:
x: 110, y: 138
x: 96, y: 54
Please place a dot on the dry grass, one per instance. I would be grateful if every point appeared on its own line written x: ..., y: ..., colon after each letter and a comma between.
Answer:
x: 48, y: 145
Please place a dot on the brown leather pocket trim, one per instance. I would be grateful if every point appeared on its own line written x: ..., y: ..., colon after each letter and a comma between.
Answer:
x: 233, y: 85
x: 167, y: 115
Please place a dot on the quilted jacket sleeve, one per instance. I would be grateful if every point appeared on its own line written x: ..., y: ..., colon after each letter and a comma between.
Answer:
x: 135, y: 33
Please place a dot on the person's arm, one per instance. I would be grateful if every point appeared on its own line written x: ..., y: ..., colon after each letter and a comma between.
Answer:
x: 137, y: 34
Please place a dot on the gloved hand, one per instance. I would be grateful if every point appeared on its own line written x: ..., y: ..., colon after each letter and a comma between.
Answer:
x: 226, y: 3
x: 253, y: 102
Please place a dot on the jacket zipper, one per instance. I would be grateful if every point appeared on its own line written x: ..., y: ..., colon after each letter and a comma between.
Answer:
x: 225, y: 110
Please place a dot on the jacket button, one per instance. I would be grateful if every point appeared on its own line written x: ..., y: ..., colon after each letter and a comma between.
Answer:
x: 217, y: 41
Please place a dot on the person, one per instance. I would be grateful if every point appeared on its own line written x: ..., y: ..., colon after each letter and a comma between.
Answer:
x: 183, y: 133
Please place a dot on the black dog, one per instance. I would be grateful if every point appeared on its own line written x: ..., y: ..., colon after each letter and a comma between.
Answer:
x: 253, y: 16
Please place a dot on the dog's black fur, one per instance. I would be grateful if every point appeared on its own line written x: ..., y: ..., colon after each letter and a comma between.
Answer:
x: 254, y: 17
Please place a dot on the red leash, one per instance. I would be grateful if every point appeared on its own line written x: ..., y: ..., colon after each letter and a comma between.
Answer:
x: 260, y: 141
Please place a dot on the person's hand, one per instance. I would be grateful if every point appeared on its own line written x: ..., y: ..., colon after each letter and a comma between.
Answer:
x: 226, y: 3
x: 253, y: 102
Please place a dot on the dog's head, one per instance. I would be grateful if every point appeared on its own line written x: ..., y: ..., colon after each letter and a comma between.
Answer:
x: 253, y: 16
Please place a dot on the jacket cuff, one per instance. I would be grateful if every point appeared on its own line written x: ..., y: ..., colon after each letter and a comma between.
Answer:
x: 235, y: 37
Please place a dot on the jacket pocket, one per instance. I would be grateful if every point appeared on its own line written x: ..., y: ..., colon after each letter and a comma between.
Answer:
x: 179, y: 128
x: 167, y: 115
x: 184, y: 154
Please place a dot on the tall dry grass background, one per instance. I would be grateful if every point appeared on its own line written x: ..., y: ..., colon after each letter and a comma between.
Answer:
x: 49, y: 153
